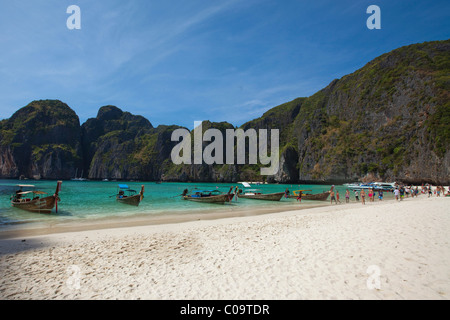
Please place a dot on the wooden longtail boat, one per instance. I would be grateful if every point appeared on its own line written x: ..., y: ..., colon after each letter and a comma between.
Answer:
x: 209, y: 196
x: 256, y: 194
x: 306, y: 196
x: 129, y: 196
x: 318, y: 197
x: 36, y: 203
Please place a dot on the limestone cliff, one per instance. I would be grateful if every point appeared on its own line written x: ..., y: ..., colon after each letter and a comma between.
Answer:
x: 390, y: 120
x: 41, y: 140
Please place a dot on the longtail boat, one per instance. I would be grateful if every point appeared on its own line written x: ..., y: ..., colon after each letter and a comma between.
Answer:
x: 307, y: 196
x: 318, y: 197
x: 257, y: 194
x: 129, y: 196
x: 208, y: 196
x: 34, y: 201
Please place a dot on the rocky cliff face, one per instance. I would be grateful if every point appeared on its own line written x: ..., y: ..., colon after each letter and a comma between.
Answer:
x: 390, y: 120
x: 41, y: 140
x: 123, y: 146
x: 203, y: 172
x: 109, y: 142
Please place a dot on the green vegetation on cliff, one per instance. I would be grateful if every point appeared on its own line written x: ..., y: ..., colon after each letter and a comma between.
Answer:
x: 43, y: 139
x: 388, y: 120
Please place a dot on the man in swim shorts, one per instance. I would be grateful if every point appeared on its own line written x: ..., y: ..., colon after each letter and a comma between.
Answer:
x: 333, y: 198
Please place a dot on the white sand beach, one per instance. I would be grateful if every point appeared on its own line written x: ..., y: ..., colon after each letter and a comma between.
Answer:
x: 383, y: 250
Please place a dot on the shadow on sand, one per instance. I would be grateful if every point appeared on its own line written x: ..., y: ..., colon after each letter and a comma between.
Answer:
x: 17, y: 245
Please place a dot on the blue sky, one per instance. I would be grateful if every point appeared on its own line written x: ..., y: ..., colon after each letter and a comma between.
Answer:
x: 176, y: 62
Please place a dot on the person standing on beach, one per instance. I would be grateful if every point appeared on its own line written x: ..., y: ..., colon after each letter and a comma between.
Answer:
x: 430, y: 192
x: 357, y: 195
x: 402, y: 193
x: 347, y: 196
x: 380, y: 195
x: 397, y: 194
x: 337, y: 197
x: 363, y: 196
x: 370, y: 195
x: 332, y: 196
x: 299, y: 198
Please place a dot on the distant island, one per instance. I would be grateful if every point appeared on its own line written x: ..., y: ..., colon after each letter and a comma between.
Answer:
x: 390, y: 121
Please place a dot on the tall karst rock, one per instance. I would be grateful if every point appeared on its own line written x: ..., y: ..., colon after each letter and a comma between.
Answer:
x: 120, y: 145
x: 389, y: 120
x: 41, y: 140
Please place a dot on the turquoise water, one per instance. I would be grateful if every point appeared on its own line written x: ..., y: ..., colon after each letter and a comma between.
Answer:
x: 83, y: 200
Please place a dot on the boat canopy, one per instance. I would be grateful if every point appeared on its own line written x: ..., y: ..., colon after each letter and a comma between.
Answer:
x: 126, y: 188
x: 39, y: 192
x: 28, y: 192
x: 25, y: 185
x: 246, y: 184
x: 24, y: 193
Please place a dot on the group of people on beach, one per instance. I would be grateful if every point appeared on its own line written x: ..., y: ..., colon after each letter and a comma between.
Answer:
x: 400, y: 192
x: 336, y: 197
x: 427, y: 189
x: 403, y: 191
x: 370, y: 193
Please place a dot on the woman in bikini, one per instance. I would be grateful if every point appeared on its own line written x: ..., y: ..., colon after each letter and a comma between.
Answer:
x: 363, y: 196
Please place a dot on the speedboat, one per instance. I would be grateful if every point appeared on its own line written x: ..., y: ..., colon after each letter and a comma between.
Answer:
x: 378, y: 186
x: 359, y: 186
x: 385, y: 186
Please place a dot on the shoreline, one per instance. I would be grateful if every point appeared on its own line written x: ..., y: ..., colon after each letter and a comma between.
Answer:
x: 323, y: 252
x: 158, y: 203
x: 43, y: 228
x: 54, y: 224
x: 31, y: 229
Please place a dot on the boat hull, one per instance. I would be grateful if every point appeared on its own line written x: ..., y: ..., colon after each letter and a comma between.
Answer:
x: 316, y: 197
x: 132, y: 201
x: 267, y: 197
x: 212, y: 199
x: 43, y: 205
